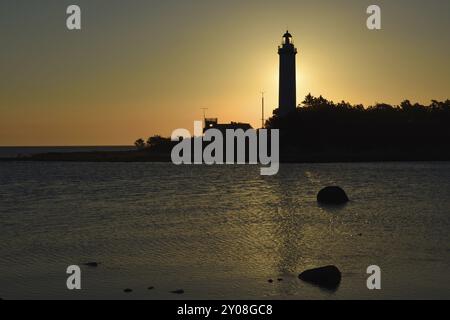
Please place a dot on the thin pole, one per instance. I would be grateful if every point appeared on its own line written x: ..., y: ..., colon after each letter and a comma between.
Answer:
x: 262, y: 105
x: 204, y: 115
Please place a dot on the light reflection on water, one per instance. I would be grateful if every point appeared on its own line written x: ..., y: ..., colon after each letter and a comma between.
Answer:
x: 222, y: 231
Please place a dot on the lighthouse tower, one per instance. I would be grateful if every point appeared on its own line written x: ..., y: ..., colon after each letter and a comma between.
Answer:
x: 287, y: 84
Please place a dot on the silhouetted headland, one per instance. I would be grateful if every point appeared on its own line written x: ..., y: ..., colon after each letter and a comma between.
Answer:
x: 323, y: 131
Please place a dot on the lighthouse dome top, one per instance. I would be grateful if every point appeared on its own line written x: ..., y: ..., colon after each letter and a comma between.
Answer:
x: 287, y: 38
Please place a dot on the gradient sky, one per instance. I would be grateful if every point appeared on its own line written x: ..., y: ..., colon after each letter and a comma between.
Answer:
x: 140, y: 68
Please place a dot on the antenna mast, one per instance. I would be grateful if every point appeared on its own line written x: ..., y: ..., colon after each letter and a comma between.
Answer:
x: 204, y: 115
x: 262, y: 106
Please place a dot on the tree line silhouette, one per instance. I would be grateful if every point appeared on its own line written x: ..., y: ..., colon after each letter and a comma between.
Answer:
x: 322, y: 125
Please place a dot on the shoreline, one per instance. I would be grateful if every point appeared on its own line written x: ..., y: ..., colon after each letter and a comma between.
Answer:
x: 307, y: 157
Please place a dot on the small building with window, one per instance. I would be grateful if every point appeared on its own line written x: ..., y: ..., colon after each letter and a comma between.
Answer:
x: 213, y: 123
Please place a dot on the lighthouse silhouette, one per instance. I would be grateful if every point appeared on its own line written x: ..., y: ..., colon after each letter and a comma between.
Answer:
x: 287, y: 96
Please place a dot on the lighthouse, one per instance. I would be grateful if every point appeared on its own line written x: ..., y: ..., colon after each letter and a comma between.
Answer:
x: 287, y: 96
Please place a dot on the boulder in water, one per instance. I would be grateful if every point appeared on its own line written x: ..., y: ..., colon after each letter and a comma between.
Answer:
x: 332, y: 195
x: 328, y: 277
x: 179, y: 291
x: 91, y: 264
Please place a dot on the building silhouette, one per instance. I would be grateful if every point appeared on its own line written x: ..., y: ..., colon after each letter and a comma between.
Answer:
x: 287, y: 82
x: 213, y: 123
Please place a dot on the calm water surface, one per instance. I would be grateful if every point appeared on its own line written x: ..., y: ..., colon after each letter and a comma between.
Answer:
x: 222, y: 231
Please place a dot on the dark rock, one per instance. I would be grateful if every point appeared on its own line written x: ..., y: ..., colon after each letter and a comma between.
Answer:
x: 179, y: 291
x: 150, y: 288
x: 332, y: 195
x: 270, y: 281
x: 127, y: 290
x: 91, y: 264
x: 279, y: 279
x: 328, y: 277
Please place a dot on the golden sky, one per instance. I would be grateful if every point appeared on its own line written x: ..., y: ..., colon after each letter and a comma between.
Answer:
x: 139, y: 68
